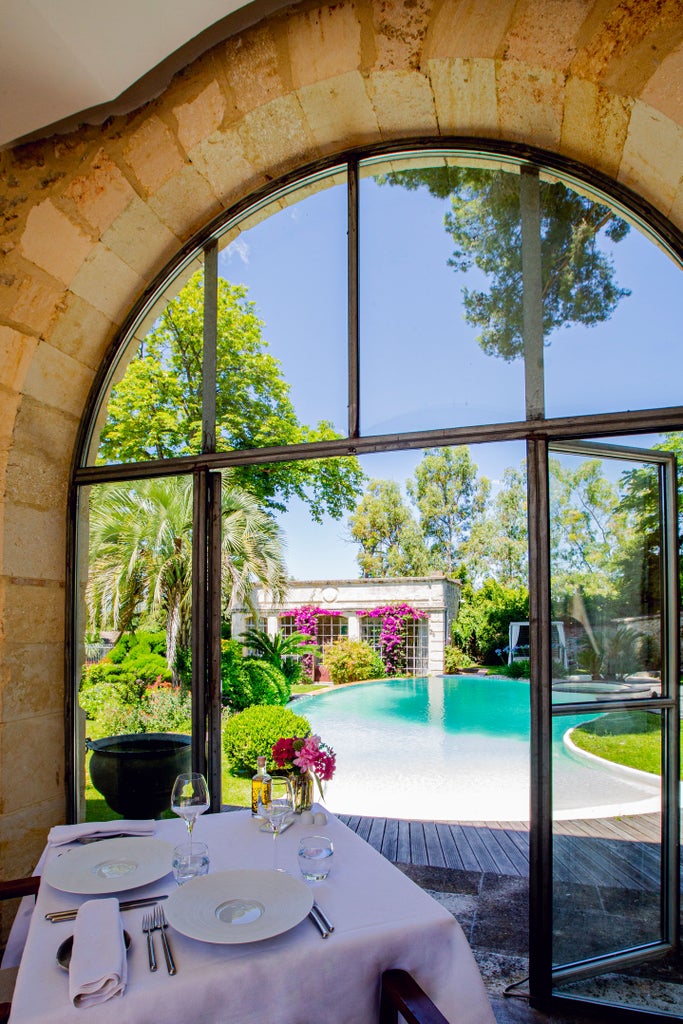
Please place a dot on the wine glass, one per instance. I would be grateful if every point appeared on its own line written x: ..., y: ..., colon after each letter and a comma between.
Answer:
x: 190, y: 798
x: 275, y: 804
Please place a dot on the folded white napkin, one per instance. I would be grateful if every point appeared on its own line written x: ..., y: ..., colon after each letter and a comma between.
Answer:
x: 61, y: 834
x: 98, y: 968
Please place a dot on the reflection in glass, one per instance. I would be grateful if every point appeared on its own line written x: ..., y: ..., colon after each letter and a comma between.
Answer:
x: 440, y: 271
x: 612, y: 310
x: 154, y: 407
x: 606, y: 581
x: 607, y: 868
x: 606, y: 574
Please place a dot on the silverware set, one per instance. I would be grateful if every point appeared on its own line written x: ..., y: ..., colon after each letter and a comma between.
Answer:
x: 55, y: 916
x: 155, y: 921
x: 320, y: 919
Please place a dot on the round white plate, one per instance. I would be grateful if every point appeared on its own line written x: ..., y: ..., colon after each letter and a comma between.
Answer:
x: 110, y: 866
x: 238, y: 906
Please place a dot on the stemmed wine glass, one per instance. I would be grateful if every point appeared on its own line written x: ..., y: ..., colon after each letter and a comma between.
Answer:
x: 190, y: 798
x: 276, y: 803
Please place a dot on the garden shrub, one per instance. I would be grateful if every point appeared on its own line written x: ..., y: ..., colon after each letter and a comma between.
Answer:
x: 252, y: 733
x: 455, y: 659
x: 141, y: 642
x: 484, y: 616
x: 352, y: 661
x: 159, y: 709
x: 247, y: 681
x: 266, y: 682
x: 517, y: 670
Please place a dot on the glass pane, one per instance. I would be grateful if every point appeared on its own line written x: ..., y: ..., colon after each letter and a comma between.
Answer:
x: 605, y: 576
x: 607, y: 600
x: 612, y: 310
x: 154, y: 403
x: 134, y: 615
x: 607, y: 864
x: 282, y: 324
x: 440, y: 295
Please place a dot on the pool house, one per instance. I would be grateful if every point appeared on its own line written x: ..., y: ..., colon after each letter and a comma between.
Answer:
x: 342, y: 608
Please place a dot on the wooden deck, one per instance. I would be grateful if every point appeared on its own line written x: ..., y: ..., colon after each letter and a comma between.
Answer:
x: 620, y: 852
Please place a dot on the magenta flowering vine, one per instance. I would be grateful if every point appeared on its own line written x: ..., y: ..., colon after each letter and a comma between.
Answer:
x: 306, y: 621
x: 392, y: 639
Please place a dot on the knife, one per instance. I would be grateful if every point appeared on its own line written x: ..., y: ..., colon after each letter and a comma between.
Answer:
x: 56, y: 916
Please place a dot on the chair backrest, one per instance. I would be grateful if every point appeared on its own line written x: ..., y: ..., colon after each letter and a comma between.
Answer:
x: 400, y: 993
x: 15, y: 889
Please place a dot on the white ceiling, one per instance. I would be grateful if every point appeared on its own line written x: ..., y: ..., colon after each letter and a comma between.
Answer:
x: 59, y: 58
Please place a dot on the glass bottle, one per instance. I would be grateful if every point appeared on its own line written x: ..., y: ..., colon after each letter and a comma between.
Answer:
x: 260, y: 782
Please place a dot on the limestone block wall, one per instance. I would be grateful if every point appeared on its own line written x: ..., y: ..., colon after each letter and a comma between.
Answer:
x: 89, y: 217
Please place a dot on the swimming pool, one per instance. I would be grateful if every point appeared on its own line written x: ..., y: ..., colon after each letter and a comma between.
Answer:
x: 456, y: 748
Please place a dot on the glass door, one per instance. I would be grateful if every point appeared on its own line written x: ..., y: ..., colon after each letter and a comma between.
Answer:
x: 614, y: 725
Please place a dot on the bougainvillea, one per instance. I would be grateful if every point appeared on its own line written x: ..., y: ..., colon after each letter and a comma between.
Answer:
x: 306, y: 621
x: 392, y: 639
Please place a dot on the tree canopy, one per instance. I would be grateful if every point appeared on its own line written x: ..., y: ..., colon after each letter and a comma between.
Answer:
x: 484, y: 222
x: 450, y: 499
x: 390, y: 540
x: 155, y: 411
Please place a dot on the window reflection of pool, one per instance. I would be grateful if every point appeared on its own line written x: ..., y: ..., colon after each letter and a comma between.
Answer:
x: 456, y: 748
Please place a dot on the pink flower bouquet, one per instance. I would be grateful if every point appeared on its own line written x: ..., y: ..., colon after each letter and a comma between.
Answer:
x: 306, y: 754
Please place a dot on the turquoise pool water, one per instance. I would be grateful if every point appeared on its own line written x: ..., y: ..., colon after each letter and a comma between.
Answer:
x: 455, y: 748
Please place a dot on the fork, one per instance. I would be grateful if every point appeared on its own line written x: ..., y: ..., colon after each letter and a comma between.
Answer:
x: 147, y: 926
x: 161, y: 924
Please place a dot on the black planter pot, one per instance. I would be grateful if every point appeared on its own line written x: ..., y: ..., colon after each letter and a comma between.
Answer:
x: 135, y: 774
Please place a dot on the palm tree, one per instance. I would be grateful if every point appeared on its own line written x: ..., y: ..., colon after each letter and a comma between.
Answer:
x: 141, y: 554
x: 279, y: 650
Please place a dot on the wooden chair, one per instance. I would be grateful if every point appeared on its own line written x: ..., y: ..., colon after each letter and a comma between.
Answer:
x: 13, y: 890
x: 400, y: 993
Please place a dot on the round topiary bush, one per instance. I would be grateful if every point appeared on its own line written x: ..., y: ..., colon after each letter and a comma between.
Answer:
x: 252, y: 733
x: 247, y: 681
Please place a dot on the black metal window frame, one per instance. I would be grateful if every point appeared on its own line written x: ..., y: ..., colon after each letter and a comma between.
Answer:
x: 538, y: 432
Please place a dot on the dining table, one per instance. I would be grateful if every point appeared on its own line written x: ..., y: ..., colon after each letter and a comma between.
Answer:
x: 381, y: 920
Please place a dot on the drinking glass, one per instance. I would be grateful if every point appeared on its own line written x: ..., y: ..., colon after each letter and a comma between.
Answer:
x: 276, y: 806
x: 189, y: 861
x: 315, y: 857
x: 190, y: 798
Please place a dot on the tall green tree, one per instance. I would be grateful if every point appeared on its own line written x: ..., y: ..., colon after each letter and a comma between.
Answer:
x: 640, y: 497
x: 141, y: 555
x: 484, y: 222
x: 498, y: 544
x: 451, y: 499
x: 588, y: 530
x: 385, y: 529
x: 155, y: 411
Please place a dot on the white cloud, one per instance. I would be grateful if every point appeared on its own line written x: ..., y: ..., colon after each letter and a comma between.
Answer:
x: 240, y: 247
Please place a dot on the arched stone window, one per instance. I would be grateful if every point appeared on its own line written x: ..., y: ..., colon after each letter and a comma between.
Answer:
x: 402, y: 298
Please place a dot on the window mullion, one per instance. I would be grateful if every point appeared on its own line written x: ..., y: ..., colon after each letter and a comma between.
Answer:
x: 532, y: 293
x: 209, y: 356
x: 353, y: 285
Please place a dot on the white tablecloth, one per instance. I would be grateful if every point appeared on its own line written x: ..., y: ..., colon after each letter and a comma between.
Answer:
x: 381, y: 918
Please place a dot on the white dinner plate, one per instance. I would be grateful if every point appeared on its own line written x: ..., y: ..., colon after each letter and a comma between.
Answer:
x: 112, y: 865
x: 238, y: 906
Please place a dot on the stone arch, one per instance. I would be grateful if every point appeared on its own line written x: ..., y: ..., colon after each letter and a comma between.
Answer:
x: 91, y: 216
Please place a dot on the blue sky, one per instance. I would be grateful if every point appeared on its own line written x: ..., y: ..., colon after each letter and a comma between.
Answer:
x: 420, y: 364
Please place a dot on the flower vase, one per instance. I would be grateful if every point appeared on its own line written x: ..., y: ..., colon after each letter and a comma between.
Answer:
x: 302, y: 786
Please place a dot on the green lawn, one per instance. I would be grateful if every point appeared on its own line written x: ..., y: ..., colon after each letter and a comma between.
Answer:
x: 629, y: 738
